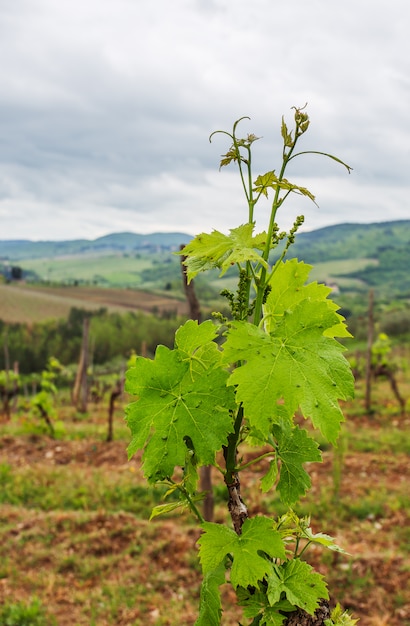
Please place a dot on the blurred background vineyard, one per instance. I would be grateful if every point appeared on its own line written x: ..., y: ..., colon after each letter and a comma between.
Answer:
x: 76, y: 544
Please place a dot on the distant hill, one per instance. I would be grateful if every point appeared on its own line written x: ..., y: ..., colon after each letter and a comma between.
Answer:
x: 386, y: 246
x: 351, y: 257
x: 352, y: 241
x: 17, y: 250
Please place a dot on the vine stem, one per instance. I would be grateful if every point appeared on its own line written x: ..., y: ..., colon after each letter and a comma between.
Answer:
x: 275, y: 205
x: 259, y: 458
x: 236, y: 506
x: 192, y: 505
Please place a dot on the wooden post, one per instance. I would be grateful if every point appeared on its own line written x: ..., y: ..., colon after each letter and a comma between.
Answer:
x: 116, y: 392
x: 15, y: 384
x: 6, y: 396
x: 205, y: 471
x: 80, y: 390
x: 370, y: 338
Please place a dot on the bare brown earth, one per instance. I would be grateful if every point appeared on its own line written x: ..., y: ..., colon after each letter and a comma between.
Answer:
x: 155, y: 562
x: 29, y: 304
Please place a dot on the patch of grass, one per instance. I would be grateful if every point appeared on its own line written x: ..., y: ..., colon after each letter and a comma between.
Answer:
x: 71, y: 424
x: 25, y: 614
x: 48, y: 488
x: 385, y: 440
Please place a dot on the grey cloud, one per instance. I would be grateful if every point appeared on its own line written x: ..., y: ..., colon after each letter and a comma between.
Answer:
x: 106, y: 108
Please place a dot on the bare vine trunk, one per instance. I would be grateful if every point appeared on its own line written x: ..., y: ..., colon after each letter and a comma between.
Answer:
x: 301, y: 618
x: 385, y: 370
x: 237, y: 507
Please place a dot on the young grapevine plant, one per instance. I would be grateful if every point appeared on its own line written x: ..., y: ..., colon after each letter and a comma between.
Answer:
x: 231, y: 383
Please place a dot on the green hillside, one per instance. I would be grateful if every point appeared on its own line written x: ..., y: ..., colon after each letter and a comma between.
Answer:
x: 379, y: 256
x: 17, y: 250
x: 352, y: 241
x: 351, y: 257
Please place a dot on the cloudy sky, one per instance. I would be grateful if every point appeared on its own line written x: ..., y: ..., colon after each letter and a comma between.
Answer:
x: 106, y: 107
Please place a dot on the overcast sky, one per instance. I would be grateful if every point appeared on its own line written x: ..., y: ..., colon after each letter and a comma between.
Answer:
x: 106, y: 107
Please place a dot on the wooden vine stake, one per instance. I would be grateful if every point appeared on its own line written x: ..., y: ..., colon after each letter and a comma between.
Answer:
x: 205, y: 471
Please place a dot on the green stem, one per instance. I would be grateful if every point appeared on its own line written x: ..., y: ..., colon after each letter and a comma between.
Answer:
x: 275, y: 205
x: 231, y: 449
x: 192, y: 506
x: 259, y: 458
x: 303, y: 549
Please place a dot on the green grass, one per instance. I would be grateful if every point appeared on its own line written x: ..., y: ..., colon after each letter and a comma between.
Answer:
x: 46, y: 488
x: 25, y: 614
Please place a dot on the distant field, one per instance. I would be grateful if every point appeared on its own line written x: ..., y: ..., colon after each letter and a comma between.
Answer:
x: 29, y: 304
x: 333, y: 271
x: 117, y: 270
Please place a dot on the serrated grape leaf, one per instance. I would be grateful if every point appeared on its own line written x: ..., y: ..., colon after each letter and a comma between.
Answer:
x: 210, y: 250
x: 295, y: 447
x: 323, y: 540
x: 302, y: 585
x: 172, y: 408
x: 339, y: 617
x: 271, y: 181
x: 233, y: 154
x: 247, y: 550
x: 288, y: 287
x: 271, y: 615
x: 270, y: 477
x: 191, y: 336
x: 196, y: 345
x: 254, y: 602
x: 297, y: 365
x: 286, y: 135
x: 265, y: 182
x: 210, y: 608
x: 170, y: 507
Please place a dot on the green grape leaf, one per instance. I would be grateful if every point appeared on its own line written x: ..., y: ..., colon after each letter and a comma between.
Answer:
x: 295, y: 447
x: 286, y: 135
x: 272, y: 617
x: 271, y: 181
x: 270, y: 477
x: 322, y: 539
x: 247, y: 550
x: 265, y: 182
x: 302, y: 585
x: 196, y: 345
x: 288, y: 287
x: 298, y: 365
x: 210, y: 608
x: 174, y: 412
x: 254, y: 602
x: 338, y: 617
x: 191, y: 336
x: 170, y: 507
x: 218, y: 250
x: 233, y: 154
